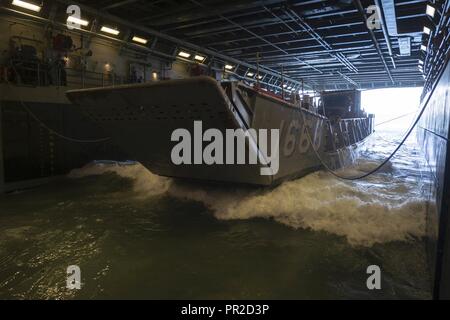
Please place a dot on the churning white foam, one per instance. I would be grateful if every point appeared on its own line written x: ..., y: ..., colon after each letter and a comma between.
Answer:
x: 145, y: 182
x: 379, y: 210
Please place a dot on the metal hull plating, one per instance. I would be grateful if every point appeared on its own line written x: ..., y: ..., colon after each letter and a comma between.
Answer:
x: 433, y: 134
x: 141, y: 119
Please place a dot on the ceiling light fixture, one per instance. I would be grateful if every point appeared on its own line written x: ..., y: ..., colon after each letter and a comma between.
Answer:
x: 199, y: 58
x: 184, y: 54
x: 75, y: 20
x: 110, y: 30
x: 140, y: 40
x: 26, y: 5
x: 430, y: 11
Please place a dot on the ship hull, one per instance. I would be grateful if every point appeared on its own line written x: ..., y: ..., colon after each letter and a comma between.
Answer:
x: 142, y: 118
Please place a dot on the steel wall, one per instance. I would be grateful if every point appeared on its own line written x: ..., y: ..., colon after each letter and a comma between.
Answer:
x: 433, y: 133
x: 31, y: 151
x: 2, y: 174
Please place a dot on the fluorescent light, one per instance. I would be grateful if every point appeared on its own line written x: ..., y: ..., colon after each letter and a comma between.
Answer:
x: 199, y: 58
x: 229, y: 67
x: 420, y: 62
x: 184, y: 54
x: 289, y: 88
x: 140, y: 40
x: 260, y: 77
x: 426, y: 30
x: 26, y: 5
x: 77, y: 21
x: 431, y: 10
x: 284, y: 85
x: 110, y: 30
x: 250, y: 74
x: 423, y: 48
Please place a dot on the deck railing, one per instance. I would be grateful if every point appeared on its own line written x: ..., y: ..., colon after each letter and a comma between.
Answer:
x: 438, y: 49
x: 35, y: 74
x: 346, y: 132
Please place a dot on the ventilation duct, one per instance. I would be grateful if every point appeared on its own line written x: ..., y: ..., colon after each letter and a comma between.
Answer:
x: 390, y: 17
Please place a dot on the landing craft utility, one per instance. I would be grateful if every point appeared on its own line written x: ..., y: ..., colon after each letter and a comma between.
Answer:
x: 142, y: 119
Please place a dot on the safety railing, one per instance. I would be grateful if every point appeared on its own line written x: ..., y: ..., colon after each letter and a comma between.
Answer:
x: 437, y: 49
x: 346, y: 132
x: 86, y: 79
x: 35, y: 74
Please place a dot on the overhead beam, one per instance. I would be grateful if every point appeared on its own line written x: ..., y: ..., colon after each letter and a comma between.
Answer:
x: 362, y: 12
x: 174, y: 40
x: 306, y: 27
x: 188, y: 13
x: 385, y: 30
x: 119, y: 4
x: 390, y: 16
x: 259, y: 37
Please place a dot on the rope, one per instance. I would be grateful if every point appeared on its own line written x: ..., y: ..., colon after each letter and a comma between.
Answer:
x: 57, y: 133
x: 371, y: 171
x: 382, y: 163
x: 50, y: 129
x: 396, y: 118
x: 384, y: 139
x: 410, y: 130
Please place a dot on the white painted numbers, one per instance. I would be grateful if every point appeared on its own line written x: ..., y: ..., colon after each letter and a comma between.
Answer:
x: 374, y: 280
x: 229, y: 147
x: 297, y: 137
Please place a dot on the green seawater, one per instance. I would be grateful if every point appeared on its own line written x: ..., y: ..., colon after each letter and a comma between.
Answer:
x: 165, y: 248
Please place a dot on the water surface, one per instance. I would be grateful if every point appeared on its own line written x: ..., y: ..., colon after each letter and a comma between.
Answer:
x: 139, y: 236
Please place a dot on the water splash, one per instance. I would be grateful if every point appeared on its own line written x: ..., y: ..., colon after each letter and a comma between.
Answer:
x: 381, y: 209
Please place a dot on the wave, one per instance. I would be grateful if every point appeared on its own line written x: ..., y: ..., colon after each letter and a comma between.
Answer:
x: 365, y: 213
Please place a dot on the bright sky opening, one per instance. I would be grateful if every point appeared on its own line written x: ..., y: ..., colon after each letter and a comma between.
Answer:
x: 388, y: 104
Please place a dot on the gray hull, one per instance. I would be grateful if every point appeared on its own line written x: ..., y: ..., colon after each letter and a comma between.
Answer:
x: 141, y: 119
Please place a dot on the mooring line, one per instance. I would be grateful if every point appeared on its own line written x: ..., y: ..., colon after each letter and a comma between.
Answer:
x: 57, y: 133
x: 382, y: 163
x: 22, y: 103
